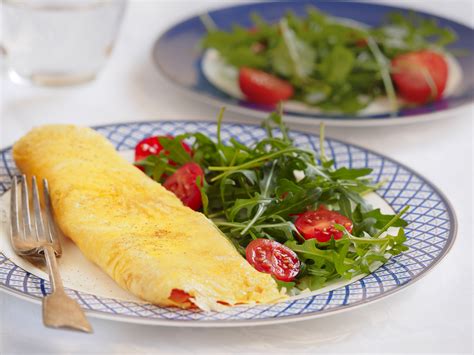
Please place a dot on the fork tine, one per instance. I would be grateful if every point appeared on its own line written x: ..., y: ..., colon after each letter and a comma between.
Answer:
x: 52, y: 232
x: 14, y: 211
x: 25, y: 203
x: 39, y: 225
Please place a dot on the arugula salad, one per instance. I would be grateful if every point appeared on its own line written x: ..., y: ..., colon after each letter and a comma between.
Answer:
x: 334, y: 64
x: 288, y: 211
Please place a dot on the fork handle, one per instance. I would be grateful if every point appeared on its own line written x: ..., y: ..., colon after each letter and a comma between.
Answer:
x: 60, y: 310
x: 53, y: 270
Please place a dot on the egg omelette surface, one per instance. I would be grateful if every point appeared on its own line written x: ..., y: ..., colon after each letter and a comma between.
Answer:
x: 134, y: 229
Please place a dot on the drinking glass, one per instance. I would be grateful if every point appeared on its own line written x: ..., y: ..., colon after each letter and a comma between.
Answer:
x: 58, y: 42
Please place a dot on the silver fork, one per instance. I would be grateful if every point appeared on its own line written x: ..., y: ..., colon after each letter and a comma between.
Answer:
x: 39, y: 238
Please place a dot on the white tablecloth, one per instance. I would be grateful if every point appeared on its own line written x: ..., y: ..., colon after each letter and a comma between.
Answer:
x: 434, y: 315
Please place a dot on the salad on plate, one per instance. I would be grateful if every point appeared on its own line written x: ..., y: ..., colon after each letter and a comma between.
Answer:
x: 334, y: 65
x: 288, y: 211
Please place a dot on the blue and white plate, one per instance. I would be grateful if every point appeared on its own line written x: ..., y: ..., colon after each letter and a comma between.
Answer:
x: 431, y: 233
x: 177, y: 56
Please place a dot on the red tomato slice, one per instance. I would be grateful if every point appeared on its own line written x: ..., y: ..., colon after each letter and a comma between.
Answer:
x: 182, y: 297
x: 410, y: 71
x: 151, y: 146
x: 273, y: 258
x: 263, y: 88
x: 319, y: 224
x: 183, y: 184
x: 146, y: 147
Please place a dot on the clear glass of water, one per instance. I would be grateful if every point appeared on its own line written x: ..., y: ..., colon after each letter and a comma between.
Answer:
x: 58, y: 42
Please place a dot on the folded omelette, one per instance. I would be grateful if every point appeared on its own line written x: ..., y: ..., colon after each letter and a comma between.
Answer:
x: 138, y: 232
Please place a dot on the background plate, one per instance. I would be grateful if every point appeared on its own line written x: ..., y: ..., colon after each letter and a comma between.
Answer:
x: 430, y: 234
x: 177, y: 56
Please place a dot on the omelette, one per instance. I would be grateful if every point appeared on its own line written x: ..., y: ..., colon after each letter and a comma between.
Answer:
x: 134, y: 229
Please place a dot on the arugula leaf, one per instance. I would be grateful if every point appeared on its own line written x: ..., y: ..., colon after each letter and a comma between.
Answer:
x: 155, y: 166
x: 245, y: 205
x: 337, y: 65
x: 345, y: 206
x: 309, y: 251
x: 350, y: 174
x: 201, y: 184
x: 285, y: 186
x: 293, y: 203
x: 311, y: 282
x: 316, y: 91
x: 286, y: 285
x: 382, y: 219
x: 416, y: 32
x: 292, y: 57
x: 175, y: 150
x: 266, y: 186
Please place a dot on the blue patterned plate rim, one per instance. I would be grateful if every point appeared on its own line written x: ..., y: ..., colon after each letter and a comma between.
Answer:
x: 198, y: 87
x: 450, y: 238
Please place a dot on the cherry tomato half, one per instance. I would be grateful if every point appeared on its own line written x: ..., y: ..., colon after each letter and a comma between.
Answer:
x: 319, y: 224
x: 273, y: 258
x: 410, y: 72
x: 183, y: 184
x: 151, y: 146
x: 263, y: 88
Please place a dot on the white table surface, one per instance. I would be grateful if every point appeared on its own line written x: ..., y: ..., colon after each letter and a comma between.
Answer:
x: 434, y: 315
